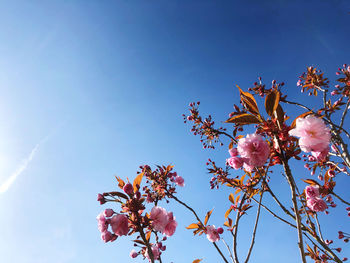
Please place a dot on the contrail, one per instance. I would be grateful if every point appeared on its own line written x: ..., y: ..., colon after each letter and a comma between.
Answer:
x: 6, y: 185
x: 22, y: 167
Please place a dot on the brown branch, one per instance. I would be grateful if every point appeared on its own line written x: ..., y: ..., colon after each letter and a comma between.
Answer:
x: 255, y: 228
x: 341, y: 199
x: 295, y: 206
x: 344, y: 113
x: 229, y: 250
x: 238, y: 217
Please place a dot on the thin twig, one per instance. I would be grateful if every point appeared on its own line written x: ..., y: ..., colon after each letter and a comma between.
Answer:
x: 199, y: 220
x: 229, y: 250
x: 344, y: 113
x: 255, y: 227
x: 238, y: 217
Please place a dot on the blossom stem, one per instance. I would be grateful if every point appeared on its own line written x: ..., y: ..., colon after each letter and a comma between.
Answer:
x: 199, y: 220
x: 295, y: 206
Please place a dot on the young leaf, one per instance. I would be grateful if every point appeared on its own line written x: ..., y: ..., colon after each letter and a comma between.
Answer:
x: 192, y: 226
x: 137, y: 182
x: 121, y: 183
x: 248, y: 101
x: 207, y: 216
x: 228, y: 212
x: 197, y: 260
x: 271, y: 102
x: 243, y: 119
x: 231, y: 197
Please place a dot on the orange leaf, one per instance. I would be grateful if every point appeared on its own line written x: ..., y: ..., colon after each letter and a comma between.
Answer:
x: 148, y: 235
x: 137, y: 182
x: 121, y: 183
x: 244, y: 118
x: 228, y: 212
x: 192, y: 226
x: 310, y: 181
x: 207, y: 216
x: 248, y: 101
x: 231, y: 197
x: 271, y: 102
x: 197, y: 260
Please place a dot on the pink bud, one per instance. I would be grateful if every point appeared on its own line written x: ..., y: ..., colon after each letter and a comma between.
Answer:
x: 101, y: 199
x: 220, y: 230
x: 133, y: 254
x: 128, y: 189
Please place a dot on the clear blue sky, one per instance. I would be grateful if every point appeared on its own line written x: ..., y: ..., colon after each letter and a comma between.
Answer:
x: 98, y: 87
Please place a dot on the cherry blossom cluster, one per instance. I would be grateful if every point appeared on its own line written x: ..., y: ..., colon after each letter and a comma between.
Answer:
x: 314, y: 201
x: 314, y: 136
x: 133, y: 218
x: 254, y: 151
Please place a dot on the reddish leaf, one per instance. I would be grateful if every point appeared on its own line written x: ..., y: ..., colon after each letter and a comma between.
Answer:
x: 243, y: 119
x: 271, y: 102
x: 197, y: 260
x: 248, y: 101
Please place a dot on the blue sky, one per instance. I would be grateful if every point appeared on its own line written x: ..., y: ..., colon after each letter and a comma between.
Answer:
x: 98, y: 88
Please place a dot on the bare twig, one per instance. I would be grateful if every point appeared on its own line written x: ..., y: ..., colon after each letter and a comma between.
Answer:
x: 255, y: 227
x: 228, y: 248
x: 199, y: 220
x: 295, y: 206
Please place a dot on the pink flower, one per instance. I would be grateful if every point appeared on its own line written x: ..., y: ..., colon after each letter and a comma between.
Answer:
x: 155, y: 251
x: 321, y: 156
x: 107, y: 236
x: 170, y: 228
x: 179, y: 181
x: 254, y: 149
x: 159, y: 218
x: 102, y: 222
x: 212, y: 234
x: 316, y: 204
x: 248, y: 167
x: 314, y: 134
x: 233, y: 152
x: 108, y: 212
x: 128, y: 189
x: 133, y: 254
x: 119, y: 224
x: 312, y: 191
x: 235, y: 162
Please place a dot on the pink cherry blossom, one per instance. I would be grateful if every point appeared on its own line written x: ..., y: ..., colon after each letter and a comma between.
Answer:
x: 316, y: 204
x: 312, y: 191
x: 212, y: 233
x: 235, y: 162
x: 233, y: 152
x: 179, y: 181
x: 102, y: 222
x: 314, y: 134
x: 159, y: 218
x: 119, y: 224
x: 107, y: 236
x: 170, y: 228
x: 155, y: 251
x: 321, y: 156
x: 108, y: 212
x: 254, y: 149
